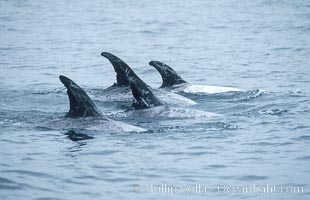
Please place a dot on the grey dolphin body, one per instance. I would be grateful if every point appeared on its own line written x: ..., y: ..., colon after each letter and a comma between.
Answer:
x: 121, y: 89
x: 84, y: 114
x: 173, y: 81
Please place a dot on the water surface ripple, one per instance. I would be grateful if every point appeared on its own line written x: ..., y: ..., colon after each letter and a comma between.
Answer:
x: 262, y: 136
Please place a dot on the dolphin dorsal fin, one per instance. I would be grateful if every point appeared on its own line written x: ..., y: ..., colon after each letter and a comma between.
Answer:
x: 121, y: 68
x: 80, y: 103
x: 143, y: 96
x: 169, y: 76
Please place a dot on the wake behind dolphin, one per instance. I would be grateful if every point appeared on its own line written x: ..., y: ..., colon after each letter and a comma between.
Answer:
x: 173, y: 81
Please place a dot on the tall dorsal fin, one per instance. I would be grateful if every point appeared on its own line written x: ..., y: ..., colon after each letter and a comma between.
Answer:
x: 169, y: 76
x: 121, y: 68
x: 143, y: 96
x: 80, y: 103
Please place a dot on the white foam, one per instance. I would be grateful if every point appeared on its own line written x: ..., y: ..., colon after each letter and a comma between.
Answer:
x: 189, y: 113
x: 172, y: 112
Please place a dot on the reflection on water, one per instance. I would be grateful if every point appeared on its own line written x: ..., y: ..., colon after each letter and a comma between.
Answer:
x: 76, y: 136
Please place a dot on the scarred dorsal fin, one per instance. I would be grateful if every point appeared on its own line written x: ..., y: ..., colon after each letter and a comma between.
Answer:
x: 169, y: 76
x: 80, y: 103
x: 121, y: 68
x: 143, y: 96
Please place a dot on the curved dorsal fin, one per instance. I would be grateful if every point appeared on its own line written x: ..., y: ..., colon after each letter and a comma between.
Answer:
x: 121, y: 68
x: 169, y: 76
x: 143, y: 96
x: 80, y: 103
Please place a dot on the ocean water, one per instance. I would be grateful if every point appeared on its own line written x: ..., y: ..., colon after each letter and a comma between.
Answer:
x: 259, y: 142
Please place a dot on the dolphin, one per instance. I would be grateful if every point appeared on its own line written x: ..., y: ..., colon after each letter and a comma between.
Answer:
x: 172, y: 81
x: 146, y: 103
x: 84, y: 114
x: 143, y: 96
x: 120, y: 90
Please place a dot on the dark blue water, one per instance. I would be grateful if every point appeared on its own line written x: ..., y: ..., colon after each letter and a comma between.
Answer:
x: 260, y: 138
